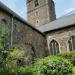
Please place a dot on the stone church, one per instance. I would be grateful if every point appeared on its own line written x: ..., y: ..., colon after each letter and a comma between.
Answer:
x: 43, y: 34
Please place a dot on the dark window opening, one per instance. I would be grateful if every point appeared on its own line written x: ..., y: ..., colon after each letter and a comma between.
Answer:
x: 36, y: 3
x: 36, y: 13
x: 33, y: 55
x: 19, y: 62
x: 37, y: 22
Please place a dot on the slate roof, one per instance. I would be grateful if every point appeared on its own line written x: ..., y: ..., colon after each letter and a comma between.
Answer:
x: 62, y: 22
x: 15, y: 15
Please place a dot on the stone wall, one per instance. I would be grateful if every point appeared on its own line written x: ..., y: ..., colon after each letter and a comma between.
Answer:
x: 24, y: 36
x: 62, y: 36
x: 41, y: 14
x: 7, y: 17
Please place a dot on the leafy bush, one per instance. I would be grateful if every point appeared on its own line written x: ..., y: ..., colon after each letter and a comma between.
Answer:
x: 24, y: 71
x: 53, y: 65
x: 73, y: 71
x: 69, y: 55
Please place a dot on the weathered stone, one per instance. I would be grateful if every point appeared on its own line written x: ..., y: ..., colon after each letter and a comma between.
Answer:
x: 24, y: 36
x: 62, y: 37
x: 41, y: 14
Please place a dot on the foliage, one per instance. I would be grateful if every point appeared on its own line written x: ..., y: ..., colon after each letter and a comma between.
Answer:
x: 4, y: 34
x: 53, y: 65
x: 25, y: 71
x: 69, y: 55
x: 16, y: 53
x: 73, y: 70
x: 8, y: 68
x: 4, y: 31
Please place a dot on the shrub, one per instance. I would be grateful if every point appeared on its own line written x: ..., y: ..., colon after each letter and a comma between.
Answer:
x: 73, y: 71
x: 69, y: 55
x: 24, y: 71
x: 53, y: 65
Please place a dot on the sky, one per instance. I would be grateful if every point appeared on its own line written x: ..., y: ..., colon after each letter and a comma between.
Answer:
x: 62, y: 7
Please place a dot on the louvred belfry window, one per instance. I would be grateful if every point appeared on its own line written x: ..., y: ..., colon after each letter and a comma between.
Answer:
x: 36, y: 3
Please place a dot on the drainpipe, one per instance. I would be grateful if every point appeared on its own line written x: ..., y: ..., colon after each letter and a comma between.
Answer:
x: 12, y: 23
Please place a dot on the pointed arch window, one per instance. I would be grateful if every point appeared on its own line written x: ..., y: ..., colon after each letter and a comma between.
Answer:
x: 54, y: 47
x: 3, y: 21
x: 71, y: 43
x: 3, y: 24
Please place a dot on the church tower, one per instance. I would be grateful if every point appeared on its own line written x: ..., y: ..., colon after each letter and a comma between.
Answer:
x: 40, y: 12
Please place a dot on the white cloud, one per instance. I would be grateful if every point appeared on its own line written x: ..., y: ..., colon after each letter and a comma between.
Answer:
x: 69, y: 10
x: 10, y: 4
x: 13, y: 5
